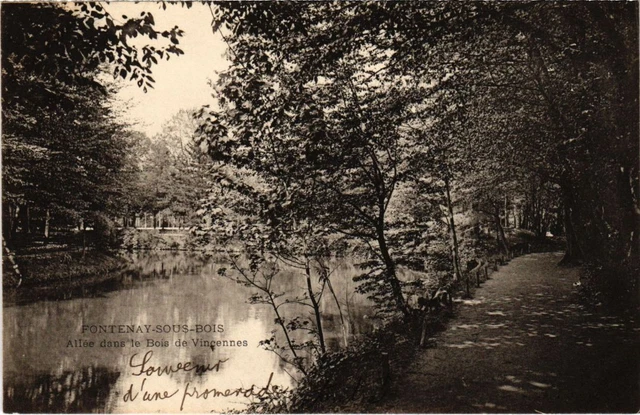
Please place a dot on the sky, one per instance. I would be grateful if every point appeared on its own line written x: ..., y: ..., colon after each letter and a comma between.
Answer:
x: 181, y: 82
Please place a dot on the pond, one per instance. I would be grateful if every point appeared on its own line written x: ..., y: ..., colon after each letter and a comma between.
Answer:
x: 169, y: 335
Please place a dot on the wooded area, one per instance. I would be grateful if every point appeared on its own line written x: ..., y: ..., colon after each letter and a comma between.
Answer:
x: 69, y: 161
x: 414, y: 136
x: 374, y: 120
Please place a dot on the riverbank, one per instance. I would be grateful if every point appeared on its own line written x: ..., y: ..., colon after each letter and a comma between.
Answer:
x: 56, y: 271
x: 133, y: 239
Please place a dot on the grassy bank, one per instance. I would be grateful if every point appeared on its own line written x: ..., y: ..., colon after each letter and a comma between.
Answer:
x: 56, y: 271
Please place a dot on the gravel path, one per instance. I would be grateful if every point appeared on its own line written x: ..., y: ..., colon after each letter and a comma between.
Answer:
x: 523, y: 344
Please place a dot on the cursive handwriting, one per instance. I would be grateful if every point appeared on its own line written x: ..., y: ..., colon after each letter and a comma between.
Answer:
x: 131, y: 396
x: 145, y: 369
x: 142, y: 367
x: 192, y: 392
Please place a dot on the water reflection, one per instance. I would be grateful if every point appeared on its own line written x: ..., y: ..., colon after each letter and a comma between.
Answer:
x: 49, y: 367
x: 78, y: 391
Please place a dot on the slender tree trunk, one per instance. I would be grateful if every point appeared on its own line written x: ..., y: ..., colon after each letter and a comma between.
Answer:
x: 11, y: 223
x: 47, y: 220
x: 535, y: 218
x: 327, y: 281
x: 282, y: 325
x: 83, y: 229
x: 546, y: 222
x: 502, y: 239
x: 540, y: 219
x: 534, y: 209
x: 316, y: 308
x: 454, y: 237
x: 28, y: 214
x: 390, y: 266
x: 506, y: 212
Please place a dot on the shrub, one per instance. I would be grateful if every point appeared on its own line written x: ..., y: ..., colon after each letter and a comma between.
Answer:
x: 105, y: 232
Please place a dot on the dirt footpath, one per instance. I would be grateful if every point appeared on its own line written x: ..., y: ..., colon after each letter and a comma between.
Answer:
x: 523, y: 344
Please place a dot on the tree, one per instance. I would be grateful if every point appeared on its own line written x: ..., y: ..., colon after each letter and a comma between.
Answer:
x: 535, y: 81
x: 561, y: 82
x: 62, y: 148
x: 266, y: 240
x: 68, y: 162
x: 170, y: 174
x: 330, y: 137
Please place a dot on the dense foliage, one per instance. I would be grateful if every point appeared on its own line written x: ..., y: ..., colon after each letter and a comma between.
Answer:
x: 65, y: 153
x: 519, y: 109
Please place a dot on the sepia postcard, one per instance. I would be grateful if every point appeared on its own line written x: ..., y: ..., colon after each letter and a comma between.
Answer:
x: 320, y: 207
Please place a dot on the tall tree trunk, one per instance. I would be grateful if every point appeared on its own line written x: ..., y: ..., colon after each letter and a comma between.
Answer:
x: 454, y: 237
x: 539, y: 219
x: 535, y: 211
x: 573, y: 253
x: 526, y: 215
x: 520, y: 217
x: 506, y: 212
x: 546, y: 222
x: 501, y: 238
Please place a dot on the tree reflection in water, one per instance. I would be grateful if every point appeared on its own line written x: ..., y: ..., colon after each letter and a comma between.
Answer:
x: 157, y: 288
x: 80, y: 391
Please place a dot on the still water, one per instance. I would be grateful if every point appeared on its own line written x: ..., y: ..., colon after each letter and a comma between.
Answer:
x: 142, y: 342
